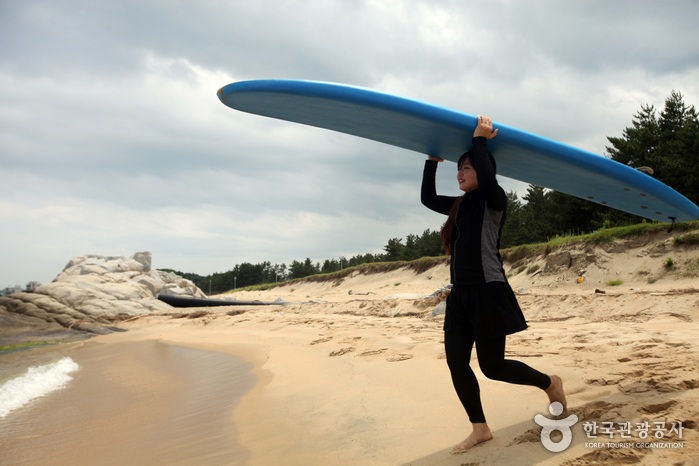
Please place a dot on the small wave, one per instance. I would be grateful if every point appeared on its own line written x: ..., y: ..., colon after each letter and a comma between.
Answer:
x: 37, y: 382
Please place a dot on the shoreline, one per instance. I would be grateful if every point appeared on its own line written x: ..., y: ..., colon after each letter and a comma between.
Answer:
x: 137, y: 402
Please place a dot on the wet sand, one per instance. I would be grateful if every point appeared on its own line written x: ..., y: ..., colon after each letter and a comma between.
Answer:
x: 142, y: 402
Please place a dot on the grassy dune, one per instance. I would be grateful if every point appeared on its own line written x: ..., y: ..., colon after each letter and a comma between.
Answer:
x: 685, y: 233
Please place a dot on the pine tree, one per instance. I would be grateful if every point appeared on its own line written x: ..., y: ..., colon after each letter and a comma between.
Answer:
x: 394, y: 249
x: 669, y: 144
x: 513, y: 230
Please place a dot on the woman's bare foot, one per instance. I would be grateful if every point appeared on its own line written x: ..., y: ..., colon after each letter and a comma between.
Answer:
x: 481, y: 433
x: 555, y: 391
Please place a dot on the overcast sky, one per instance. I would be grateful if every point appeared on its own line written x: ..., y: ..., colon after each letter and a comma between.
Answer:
x: 112, y: 138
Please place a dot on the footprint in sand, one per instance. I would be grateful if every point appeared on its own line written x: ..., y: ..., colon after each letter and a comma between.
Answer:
x: 532, y: 435
x: 350, y: 339
x: 606, y: 456
x: 635, y: 387
x: 689, y: 384
x: 642, y: 355
x: 320, y: 340
x: 341, y: 351
x: 373, y: 352
x: 594, y: 409
x: 655, y: 409
x: 400, y: 357
x: 678, y: 346
x: 604, y: 382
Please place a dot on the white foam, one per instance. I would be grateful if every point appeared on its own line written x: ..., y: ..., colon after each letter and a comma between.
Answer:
x: 37, y: 382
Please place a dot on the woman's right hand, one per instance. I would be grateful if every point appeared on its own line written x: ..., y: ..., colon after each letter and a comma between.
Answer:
x: 436, y: 159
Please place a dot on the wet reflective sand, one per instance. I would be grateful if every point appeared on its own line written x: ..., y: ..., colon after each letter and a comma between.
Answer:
x: 134, y: 403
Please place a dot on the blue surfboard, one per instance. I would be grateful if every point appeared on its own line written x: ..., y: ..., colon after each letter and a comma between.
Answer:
x: 446, y: 133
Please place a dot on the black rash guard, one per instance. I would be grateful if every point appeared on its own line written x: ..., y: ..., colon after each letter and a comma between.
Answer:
x: 475, y: 256
x: 481, y: 306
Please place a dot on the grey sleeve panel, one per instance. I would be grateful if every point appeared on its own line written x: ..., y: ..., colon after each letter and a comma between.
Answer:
x: 490, y: 233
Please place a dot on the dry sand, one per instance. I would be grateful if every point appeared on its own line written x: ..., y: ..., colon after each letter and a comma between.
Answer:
x: 362, y: 379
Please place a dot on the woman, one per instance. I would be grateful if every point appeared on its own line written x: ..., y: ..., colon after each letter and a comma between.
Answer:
x: 481, y: 307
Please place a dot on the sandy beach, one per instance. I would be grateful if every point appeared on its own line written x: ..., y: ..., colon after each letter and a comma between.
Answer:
x: 353, y: 371
x: 361, y: 378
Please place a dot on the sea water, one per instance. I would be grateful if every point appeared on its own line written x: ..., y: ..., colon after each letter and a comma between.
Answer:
x: 38, y: 381
x: 120, y: 403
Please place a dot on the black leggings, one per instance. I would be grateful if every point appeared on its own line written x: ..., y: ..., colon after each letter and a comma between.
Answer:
x: 491, y: 359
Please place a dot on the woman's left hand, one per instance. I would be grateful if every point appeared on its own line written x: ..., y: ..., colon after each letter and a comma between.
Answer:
x: 484, y: 128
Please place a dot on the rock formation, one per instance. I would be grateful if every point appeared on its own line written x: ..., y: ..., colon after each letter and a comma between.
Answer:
x: 89, y: 294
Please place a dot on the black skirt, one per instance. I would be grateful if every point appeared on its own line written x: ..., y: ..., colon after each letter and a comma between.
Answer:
x: 483, y: 311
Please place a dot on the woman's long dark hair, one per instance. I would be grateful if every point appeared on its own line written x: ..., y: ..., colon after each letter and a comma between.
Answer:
x: 448, y: 227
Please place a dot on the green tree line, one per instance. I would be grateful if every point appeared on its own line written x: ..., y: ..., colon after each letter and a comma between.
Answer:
x: 667, y: 141
x: 246, y: 274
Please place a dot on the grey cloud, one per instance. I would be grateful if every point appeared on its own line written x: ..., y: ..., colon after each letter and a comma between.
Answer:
x: 112, y: 139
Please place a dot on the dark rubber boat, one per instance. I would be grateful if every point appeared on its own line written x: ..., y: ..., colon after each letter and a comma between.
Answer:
x: 188, y: 301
